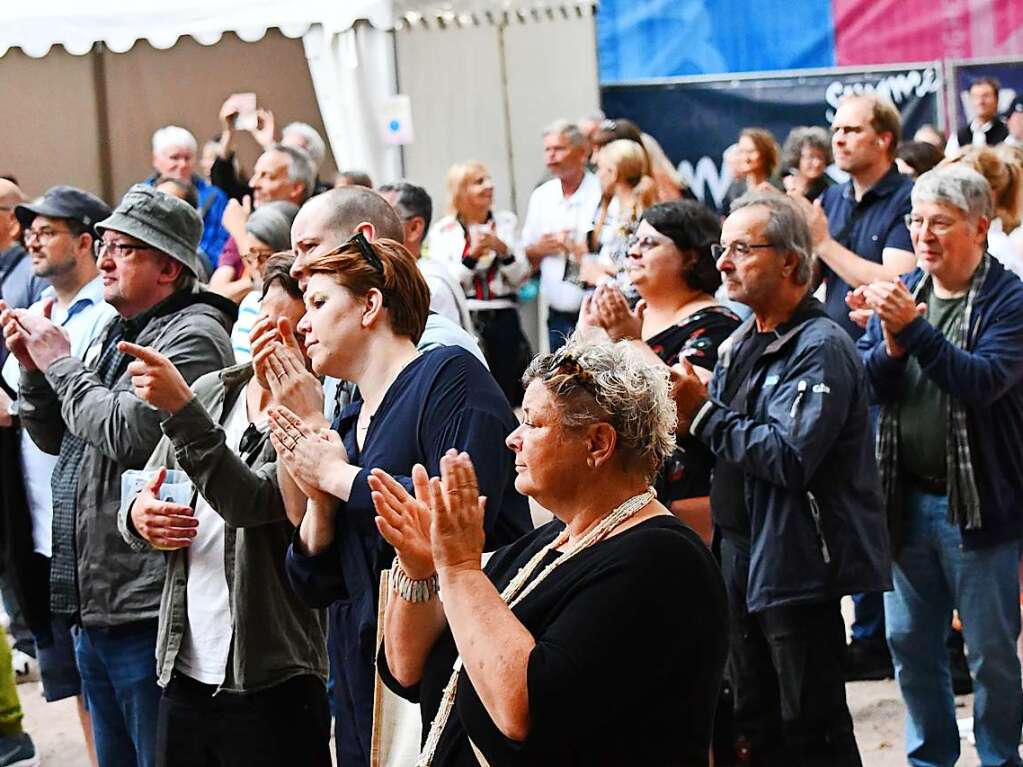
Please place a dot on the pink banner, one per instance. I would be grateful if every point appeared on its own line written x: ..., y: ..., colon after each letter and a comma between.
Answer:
x: 897, y: 31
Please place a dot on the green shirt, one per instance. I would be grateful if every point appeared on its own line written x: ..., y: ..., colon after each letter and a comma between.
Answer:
x: 923, y: 407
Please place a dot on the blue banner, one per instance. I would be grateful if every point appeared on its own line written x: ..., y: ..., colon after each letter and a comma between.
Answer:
x: 696, y: 121
x: 669, y: 38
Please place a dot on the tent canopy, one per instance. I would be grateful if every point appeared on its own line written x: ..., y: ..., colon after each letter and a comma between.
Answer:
x: 119, y: 24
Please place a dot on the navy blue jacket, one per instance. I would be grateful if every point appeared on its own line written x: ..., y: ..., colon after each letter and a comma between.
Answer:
x: 986, y: 378
x: 444, y: 399
x: 803, y: 441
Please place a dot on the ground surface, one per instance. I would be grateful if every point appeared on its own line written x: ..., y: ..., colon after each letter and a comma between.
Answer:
x: 876, y: 709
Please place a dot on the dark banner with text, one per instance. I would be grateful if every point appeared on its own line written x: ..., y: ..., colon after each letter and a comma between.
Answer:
x: 695, y: 121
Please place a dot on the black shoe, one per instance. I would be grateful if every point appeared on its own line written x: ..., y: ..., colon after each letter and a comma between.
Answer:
x: 865, y: 662
x: 962, y: 682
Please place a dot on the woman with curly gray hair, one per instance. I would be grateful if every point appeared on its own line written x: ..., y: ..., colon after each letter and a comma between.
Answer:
x: 573, y: 645
x: 804, y: 158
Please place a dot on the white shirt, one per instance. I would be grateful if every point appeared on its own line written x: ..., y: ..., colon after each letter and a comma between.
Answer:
x: 248, y: 312
x: 1005, y: 247
x: 207, y: 640
x: 85, y: 318
x: 446, y: 295
x: 447, y: 243
x: 550, y: 212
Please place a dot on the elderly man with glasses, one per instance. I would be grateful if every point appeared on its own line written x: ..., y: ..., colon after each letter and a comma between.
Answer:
x: 795, y: 494
x: 945, y: 363
x: 85, y: 412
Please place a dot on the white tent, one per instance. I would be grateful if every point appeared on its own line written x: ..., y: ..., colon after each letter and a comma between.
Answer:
x: 360, y: 53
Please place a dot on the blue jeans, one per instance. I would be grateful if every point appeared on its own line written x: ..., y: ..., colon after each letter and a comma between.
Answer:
x: 560, y: 325
x: 118, y: 668
x: 868, y: 621
x: 932, y: 575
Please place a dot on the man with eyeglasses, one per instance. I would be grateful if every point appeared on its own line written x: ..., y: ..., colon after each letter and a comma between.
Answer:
x: 795, y: 495
x: 945, y: 362
x: 59, y: 231
x: 86, y: 413
x: 858, y: 237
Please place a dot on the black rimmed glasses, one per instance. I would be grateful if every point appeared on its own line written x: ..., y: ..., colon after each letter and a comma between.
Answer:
x: 43, y: 234
x: 738, y: 249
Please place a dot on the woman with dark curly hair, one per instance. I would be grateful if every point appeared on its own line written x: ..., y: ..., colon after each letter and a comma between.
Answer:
x: 804, y: 158
x: 671, y: 265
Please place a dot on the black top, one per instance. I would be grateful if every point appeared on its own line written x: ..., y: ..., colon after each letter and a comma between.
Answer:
x: 686, y: 473
x: 728, y: 489
x: 631, y: 637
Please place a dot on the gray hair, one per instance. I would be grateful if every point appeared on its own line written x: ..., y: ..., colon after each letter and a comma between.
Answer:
x: 957, y: 185
x: 173, y: 135
x: 786, y: 228
x: 567, y: 129
x: 596, y: 116
x: 270, y: 223
x: 812, y: 136
x: 314, y: 144
x: 597, y: 381
x: 300, y: 167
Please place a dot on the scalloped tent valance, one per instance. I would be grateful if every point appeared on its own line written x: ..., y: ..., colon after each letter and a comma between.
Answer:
x: 119, y: 24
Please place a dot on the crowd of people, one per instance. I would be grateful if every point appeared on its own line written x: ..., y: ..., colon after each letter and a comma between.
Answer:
x: 270, y: 447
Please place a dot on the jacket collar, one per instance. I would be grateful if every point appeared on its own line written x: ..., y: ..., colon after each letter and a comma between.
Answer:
x: 808, y: 309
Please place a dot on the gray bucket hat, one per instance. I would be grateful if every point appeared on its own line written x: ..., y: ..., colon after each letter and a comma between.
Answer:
x: 163, y: 222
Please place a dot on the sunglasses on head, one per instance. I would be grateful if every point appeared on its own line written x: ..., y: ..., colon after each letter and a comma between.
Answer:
x: 359, y: 240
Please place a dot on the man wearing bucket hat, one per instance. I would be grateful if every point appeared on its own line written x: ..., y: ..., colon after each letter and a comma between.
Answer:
x: 86, y: 412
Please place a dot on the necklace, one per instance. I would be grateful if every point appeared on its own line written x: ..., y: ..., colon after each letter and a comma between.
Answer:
x: 517, y: 590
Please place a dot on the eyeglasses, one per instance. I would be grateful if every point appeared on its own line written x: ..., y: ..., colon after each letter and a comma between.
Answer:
x: 934, y: 226
x: 566, y: 363
x: 359, y: 240
x: 117, y: 250
x: 644, y: 244
x: 738, y: 249
x: 43, y: 235
x: 256, y: 256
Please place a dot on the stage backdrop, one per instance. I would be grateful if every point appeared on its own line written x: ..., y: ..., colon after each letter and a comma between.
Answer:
x: 669, y: 38
x: 696, y: 119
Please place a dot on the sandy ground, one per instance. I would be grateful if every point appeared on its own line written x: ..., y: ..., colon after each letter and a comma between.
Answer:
x: 876, y: 709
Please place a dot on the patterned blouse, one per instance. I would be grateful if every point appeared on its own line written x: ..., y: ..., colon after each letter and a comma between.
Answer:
x: 686, y: 473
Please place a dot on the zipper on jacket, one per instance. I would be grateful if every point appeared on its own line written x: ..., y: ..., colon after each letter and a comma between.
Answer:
x: 815, y: 512
x: 800, y: 392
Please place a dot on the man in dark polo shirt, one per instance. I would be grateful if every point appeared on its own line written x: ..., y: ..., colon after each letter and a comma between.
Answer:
x: 860, y: 235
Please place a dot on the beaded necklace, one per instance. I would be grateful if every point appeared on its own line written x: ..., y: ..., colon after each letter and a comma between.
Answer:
x: 517, y: 590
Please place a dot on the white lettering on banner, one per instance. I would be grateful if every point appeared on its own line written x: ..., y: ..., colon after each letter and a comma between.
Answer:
x: 706, y: 176
x: 896, y: 87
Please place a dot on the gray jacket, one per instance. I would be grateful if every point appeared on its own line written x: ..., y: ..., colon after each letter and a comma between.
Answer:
x: 275, y: 637
x: 116, y: 584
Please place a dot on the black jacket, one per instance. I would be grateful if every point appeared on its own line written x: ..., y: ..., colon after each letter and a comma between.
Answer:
x: 804, y: 443
x: 996, y: 133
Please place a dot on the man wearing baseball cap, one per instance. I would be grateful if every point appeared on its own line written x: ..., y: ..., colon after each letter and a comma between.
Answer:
x: 59, y: 231
x: 86, y: 412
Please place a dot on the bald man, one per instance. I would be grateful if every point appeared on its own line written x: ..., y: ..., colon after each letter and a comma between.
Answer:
x: 19, y: 288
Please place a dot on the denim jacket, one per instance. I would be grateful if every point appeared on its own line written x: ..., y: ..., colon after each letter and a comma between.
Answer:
x: 275, y: 637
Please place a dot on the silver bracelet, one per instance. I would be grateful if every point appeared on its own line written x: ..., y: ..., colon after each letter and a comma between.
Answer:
x: 412, y: 590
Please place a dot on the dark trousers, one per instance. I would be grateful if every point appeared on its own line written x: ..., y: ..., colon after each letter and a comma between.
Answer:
x: 288, y: 723
x: 785, y: 665
x: 868, y: 620
x: 560, y: 325
x: 506, y: 349
x: 354, y: 678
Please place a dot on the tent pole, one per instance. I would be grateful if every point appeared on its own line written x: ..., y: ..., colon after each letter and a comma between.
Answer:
x: 503, y: 57
x: 99, y: 85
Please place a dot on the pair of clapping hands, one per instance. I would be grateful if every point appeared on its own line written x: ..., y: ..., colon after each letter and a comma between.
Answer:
x: 894, y: 306
x: 296, y: 409
x: 440, y: 528
x: 32, y: 336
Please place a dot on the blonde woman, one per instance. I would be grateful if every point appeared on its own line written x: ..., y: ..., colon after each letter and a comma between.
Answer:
x: 623, y: 170
x: 477, y: 244
x: 1004, y: 173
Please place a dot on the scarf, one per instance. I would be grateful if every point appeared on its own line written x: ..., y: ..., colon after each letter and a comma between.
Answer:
x: 963, y: 498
